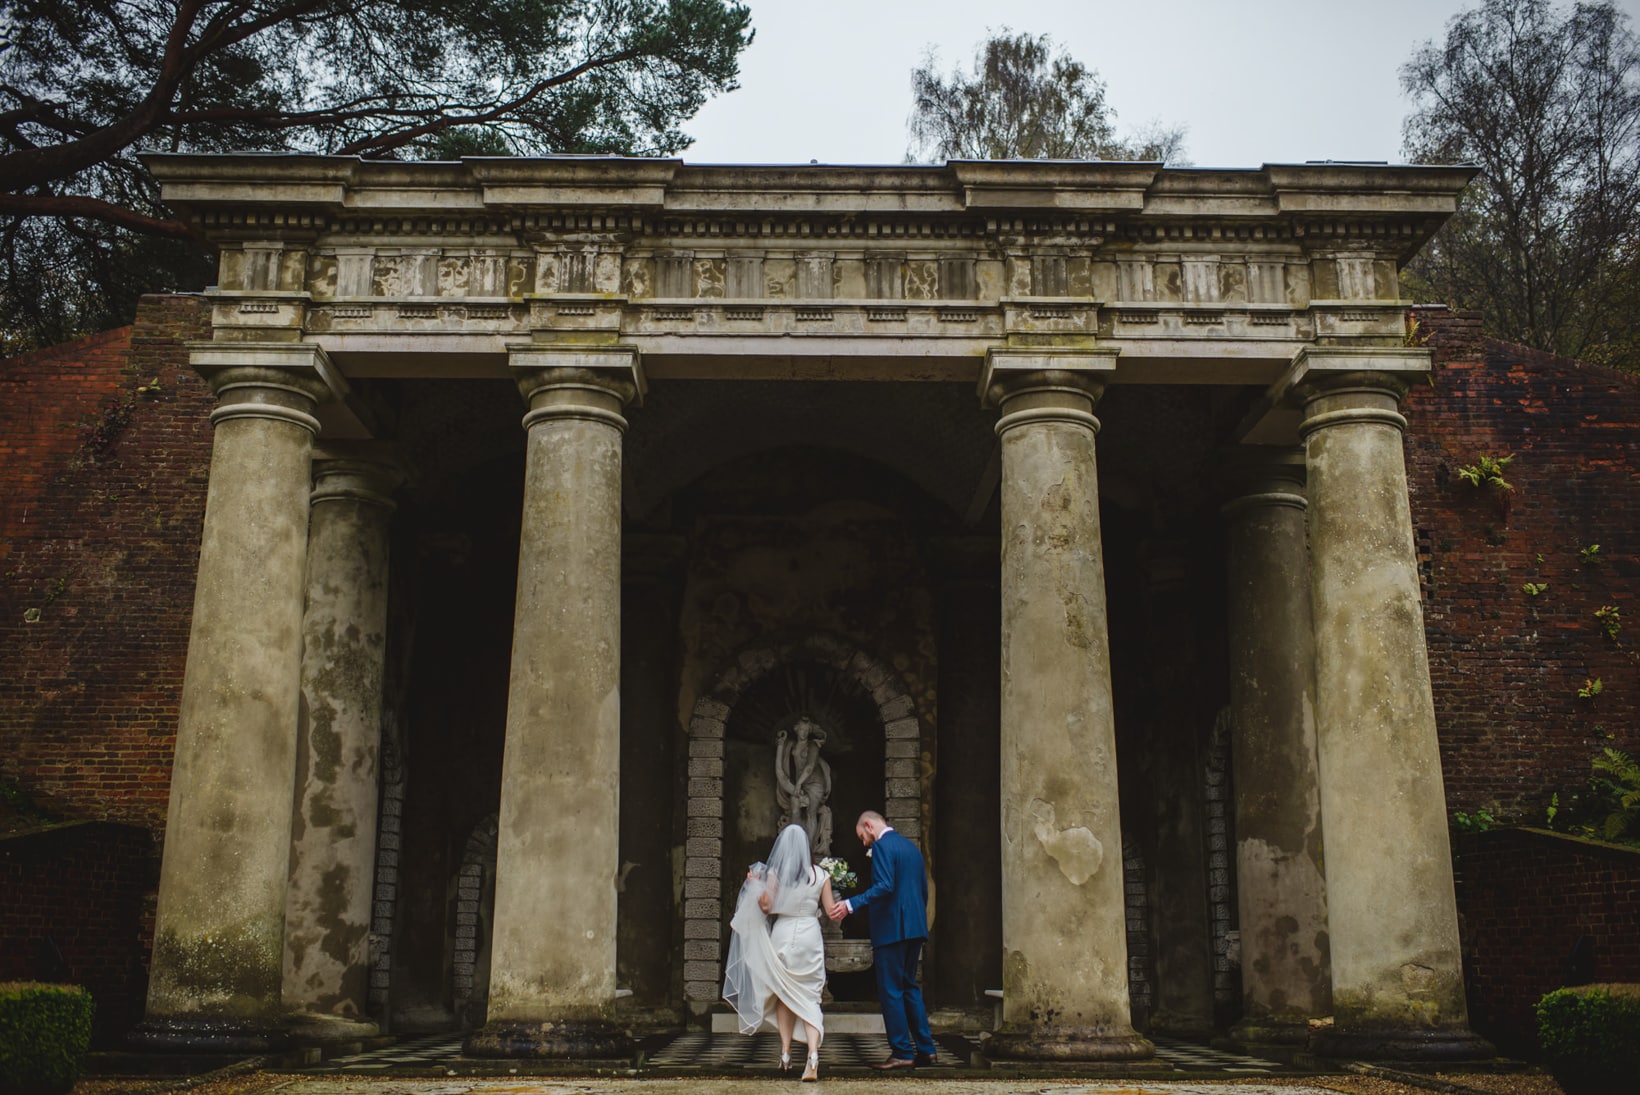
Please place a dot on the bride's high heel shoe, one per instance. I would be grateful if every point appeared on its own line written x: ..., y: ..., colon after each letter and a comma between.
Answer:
x: 812, y: 1072
x: 785, y: 1062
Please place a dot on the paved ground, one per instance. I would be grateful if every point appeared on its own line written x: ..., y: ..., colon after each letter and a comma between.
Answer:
x: 702, y: 1064
x: 708, y: 1053
x: 265, y: 1083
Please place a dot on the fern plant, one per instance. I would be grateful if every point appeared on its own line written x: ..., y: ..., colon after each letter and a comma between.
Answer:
x: 1617, y: 777
x: 1487, y: 471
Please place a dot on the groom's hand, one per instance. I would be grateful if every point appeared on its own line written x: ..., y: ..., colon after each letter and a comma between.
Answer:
x: 838, y: 910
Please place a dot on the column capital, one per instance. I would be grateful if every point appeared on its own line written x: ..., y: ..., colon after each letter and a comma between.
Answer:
x: 283, y: 381
x: 1045, y: 385
x: 1252, y: 477
x: 363, y: 471
x: 1008, y: 371
x: 1338, y: 385
x: 586, y: 382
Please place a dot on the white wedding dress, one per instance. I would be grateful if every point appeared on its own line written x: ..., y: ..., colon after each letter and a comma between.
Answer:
x: 778, y: 956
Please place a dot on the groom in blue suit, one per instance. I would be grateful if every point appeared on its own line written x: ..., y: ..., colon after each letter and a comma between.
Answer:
x: 897, y: 902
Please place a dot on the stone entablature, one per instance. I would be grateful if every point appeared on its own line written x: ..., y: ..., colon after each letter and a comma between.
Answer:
x: 1190, y: 274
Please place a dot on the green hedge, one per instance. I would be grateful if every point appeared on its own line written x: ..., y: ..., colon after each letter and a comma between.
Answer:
x: 1591, y: 1037
x: 44, y: 1033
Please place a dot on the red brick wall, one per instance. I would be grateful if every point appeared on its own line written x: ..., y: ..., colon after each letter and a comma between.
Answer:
x: 102, y: 488
x: 1525, y: 898
x: 1507, y: 665
x: 72, y: 912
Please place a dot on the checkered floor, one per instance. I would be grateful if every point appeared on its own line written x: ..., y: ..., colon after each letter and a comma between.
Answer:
x: 1190, y: 1057
x: 760, y: 1053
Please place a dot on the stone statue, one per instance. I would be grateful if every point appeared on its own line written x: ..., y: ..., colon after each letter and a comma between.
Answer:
x: 803, y: 782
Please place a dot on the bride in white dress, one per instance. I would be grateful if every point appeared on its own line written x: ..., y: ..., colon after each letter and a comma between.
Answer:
x: 777, y: 960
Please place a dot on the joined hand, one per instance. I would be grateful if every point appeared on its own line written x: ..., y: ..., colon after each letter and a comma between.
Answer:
x: 837, y: 910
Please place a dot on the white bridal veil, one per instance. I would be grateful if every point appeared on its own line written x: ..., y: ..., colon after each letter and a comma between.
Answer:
x: 753, y: 972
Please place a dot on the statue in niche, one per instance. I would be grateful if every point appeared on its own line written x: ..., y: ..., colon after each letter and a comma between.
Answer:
x: 803, y: 782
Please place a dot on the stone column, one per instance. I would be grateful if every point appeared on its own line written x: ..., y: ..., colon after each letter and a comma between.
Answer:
x: 215, y: 977
x: 333, y: 840
x: 552, y: 970
x: 1064, y: 933
x: 1285, y: 961
x: 1397, y: 975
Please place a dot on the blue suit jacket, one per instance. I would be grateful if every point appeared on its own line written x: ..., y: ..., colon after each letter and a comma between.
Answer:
x: 897, y: 899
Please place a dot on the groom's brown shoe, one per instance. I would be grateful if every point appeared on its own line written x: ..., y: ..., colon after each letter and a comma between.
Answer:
x: 925, y: 1060
x: 893, y: 1063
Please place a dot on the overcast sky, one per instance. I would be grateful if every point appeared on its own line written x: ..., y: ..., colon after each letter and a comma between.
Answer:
x: 1253, y: 81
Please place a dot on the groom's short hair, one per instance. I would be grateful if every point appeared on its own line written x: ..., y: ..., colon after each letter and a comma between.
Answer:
x: 872, y: 815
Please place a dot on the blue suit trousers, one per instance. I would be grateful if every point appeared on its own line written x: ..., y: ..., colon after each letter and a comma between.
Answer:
x: 905, y: 1020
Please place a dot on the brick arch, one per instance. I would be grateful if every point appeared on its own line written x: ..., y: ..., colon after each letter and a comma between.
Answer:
x: 905, y: 739
x: 477, y: 862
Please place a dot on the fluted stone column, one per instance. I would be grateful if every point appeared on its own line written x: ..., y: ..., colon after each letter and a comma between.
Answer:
x: 333, y: 839
x: 1397, y: 975
x: 552, y: 979
x: 1064, y: 961
x: 1286, y: 973
x: 215, y: 977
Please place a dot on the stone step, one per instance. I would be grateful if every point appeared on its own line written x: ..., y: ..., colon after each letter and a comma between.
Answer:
x: 837, y: 1022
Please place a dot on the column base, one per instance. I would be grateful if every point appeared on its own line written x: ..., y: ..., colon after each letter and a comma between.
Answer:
x: 578, y: 1039
x: 1069, y: 1044
x: 1266, y: 1036
x: 209, y: 1036
x: 320, y: 1030
x: 1389, y: 1044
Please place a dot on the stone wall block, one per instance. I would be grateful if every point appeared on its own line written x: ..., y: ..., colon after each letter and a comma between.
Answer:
x: 899, y: 707
x: 705, y: 826
x: 901, y: 729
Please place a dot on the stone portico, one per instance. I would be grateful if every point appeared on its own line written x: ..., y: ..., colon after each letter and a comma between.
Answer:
x: 1017, y: 477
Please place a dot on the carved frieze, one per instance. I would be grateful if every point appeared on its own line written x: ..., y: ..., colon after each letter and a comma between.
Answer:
x: 925, y: 261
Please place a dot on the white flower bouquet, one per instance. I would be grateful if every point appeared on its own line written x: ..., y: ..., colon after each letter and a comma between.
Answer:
x: 842, y: 878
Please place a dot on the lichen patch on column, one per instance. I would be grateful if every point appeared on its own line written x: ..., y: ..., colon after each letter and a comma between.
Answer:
x: 1076, y: 850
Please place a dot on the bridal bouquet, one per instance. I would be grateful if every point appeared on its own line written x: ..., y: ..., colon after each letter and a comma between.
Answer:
x: 841, y: 877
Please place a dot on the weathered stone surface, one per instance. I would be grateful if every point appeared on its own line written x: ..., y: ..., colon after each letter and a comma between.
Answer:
x: 1061, y: 854
x: 1396, y: 966
x: 557, y: 855
x: 1285, y: 962
x: 218, y: 936
x: 333, y: 843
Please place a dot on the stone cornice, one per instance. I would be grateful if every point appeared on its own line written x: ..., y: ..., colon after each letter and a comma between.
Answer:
x: 246, y: 195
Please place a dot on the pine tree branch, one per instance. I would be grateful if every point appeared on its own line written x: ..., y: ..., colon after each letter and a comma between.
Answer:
x: 70, y: 205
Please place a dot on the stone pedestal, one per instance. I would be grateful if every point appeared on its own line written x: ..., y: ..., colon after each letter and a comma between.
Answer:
x: 215, y: 978
x: 333, y: 839
x: 553, y: 956
x: 1064, y: 961
x: 1397, y: 975
x: 1285, y: 954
